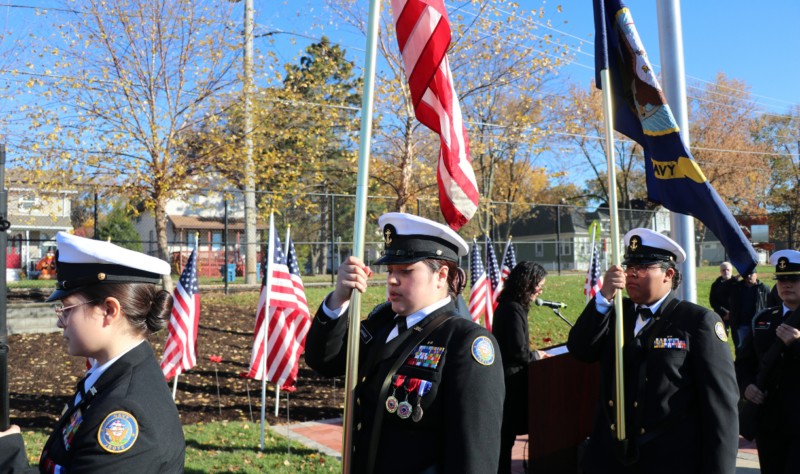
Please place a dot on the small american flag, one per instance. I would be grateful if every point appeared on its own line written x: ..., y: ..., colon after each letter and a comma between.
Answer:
x: 478, y: 284
x: 423, y: 35
x: 594, y: 279
x: 287, y: 319
x: 509, y: 262
x: 494, y: 280
x: 180, y: 353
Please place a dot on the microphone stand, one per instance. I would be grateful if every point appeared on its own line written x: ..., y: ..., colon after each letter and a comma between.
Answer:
x: 558, y: 313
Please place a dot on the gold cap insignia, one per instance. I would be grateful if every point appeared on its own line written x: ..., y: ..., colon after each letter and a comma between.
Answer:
x: 635, y: 242
x: 387, y: 237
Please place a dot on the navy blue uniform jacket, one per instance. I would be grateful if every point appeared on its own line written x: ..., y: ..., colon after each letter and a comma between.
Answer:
x: 689, y: 394
x: 459, y: 432
x: 133, y: 384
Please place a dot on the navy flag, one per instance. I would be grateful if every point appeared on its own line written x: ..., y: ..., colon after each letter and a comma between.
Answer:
x: 641, y: 112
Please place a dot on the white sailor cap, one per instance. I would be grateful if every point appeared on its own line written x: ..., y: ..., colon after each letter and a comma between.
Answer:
x: 644, y: 246
x: 409, y: 238
x: 787, y: 264
x: 81, y: 262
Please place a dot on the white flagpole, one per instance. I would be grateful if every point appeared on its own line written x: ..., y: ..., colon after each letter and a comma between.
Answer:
x: 174, y: 386
x: 489, y: 315
x: 591, y: 262
x: 267, y: 292
x: 278, y: 387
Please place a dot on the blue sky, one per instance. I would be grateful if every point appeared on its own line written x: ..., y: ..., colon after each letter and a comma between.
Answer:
x: 754, y: 41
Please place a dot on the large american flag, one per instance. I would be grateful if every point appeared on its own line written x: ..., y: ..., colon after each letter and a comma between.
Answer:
x: 594, y: 278
x: 478, y: 284
x: 423, y: 34
x: 180, y: 353
x: 288, y: 319
x: 494, y: 281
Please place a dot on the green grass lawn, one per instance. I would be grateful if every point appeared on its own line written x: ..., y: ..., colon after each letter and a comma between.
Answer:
x: 228, y: 447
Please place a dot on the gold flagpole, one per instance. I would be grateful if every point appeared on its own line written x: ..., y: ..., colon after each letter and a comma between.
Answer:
x: 619, y: 341
x: 359, y: 232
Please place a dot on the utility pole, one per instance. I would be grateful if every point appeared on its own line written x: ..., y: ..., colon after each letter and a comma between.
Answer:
x: 249, y: 167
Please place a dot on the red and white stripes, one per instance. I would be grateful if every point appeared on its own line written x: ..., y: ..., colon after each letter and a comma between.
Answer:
x: 423, y: 34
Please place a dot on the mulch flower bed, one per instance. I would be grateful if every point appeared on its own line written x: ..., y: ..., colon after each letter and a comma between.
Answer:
x: 42, y: 376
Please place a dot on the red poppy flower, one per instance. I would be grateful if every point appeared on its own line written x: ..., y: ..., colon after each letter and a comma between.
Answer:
x: 288, y: 388
x: 244, y: 375
x: 547, y: 339
x: 215, y: 359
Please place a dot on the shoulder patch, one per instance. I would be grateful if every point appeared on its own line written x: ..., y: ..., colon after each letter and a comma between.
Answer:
x: 483, y: 350
x: 118, y: 432
x: 719, y: 328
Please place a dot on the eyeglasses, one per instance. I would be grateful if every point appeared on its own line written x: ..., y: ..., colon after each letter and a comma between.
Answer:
x: 63, y: 312
x: 540, y: 289
x: 635, y: 270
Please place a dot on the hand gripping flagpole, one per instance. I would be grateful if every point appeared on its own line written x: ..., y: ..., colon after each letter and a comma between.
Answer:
x: 365, y: 141
x: 605, y: 80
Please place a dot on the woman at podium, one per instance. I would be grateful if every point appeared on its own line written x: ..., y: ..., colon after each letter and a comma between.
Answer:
x: 524, y: 284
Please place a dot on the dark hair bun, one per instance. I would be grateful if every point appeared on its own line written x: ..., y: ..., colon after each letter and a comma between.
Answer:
x: 160, y: 312
x: 460, y: 280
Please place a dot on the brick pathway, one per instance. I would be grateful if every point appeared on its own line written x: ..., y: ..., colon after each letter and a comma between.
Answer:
x: 326, y: 437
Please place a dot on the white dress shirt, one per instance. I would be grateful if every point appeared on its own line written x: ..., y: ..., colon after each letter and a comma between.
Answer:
x: 603, y: 306
x: 95, y: 372
x: 411, y: 320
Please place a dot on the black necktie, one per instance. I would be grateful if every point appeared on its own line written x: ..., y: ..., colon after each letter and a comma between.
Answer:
x: 80, y: 388
x: 402, y: 325
x: 645, y: 314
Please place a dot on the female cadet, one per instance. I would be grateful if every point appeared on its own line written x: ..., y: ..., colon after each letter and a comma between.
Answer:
x: 430, y: 392
x: 778, y: 429
x: 510, y: 326
x: 122, y: 418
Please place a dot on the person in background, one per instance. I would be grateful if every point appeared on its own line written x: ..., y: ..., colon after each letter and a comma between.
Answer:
x: 748, y: 297
x: 778, y: 428
x: 720, y: 293
x: 510, y: 327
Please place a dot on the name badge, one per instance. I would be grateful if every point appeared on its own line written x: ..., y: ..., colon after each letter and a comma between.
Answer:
x: 762, y: 324
x: 366, y: 337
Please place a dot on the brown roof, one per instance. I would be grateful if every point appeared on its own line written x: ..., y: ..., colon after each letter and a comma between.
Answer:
x: 217, y: 223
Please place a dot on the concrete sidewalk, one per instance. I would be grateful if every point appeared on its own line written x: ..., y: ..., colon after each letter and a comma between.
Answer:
x: 326, y: 437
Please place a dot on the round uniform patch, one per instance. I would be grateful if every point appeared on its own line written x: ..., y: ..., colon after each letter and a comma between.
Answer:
x: 483, y: 350
x: 118, y: 432
x: 719, y: 328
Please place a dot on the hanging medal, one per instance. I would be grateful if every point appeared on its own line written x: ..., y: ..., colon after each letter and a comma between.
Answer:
x: 424, y: 387
x: 391, y: 402
x: 404, y: 409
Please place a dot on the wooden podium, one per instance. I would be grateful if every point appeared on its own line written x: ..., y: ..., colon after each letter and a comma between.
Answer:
x: 561, y: 406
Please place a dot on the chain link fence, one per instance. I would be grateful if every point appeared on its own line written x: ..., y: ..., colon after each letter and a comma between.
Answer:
x: 213, y: 221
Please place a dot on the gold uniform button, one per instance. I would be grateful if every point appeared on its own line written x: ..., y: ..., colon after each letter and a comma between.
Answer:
x: 611, y: 403
x: 359, y: 427
x: 363, y: 379
x: 635, y: 404
x: 642, y: 432
x: 613, y: 427
x: 358, y: 400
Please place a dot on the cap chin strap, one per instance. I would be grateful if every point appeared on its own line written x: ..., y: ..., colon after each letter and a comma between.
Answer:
x: 414, y: 253
x: 104, y: 278
x: 654, y: 256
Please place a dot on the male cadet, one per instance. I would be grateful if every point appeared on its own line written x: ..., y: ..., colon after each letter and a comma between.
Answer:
x: 778, y: 428
x: 680, y: 386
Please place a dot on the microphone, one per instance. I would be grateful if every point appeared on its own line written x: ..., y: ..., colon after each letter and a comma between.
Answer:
x: 550, y: 304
